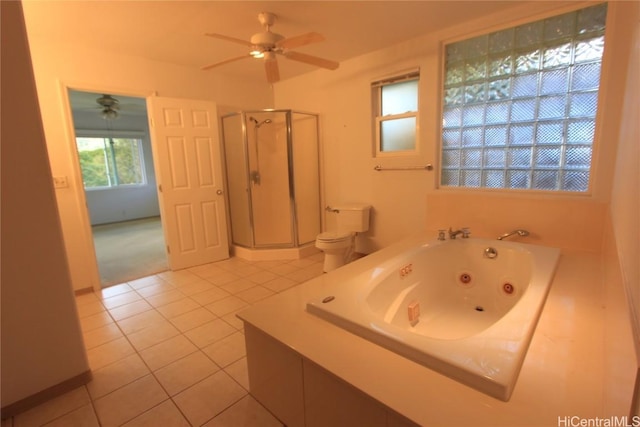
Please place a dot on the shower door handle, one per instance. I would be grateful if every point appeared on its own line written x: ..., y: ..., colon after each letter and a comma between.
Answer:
x: 219, y: 192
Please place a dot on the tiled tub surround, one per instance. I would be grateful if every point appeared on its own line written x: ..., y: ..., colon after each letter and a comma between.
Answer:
x: 310, y: 372
x: 466, y: 308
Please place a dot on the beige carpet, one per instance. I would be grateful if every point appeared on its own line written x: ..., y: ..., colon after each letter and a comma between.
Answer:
x: 129, y: 250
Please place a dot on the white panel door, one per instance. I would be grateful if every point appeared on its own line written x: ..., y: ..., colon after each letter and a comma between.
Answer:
x: 187, y: 157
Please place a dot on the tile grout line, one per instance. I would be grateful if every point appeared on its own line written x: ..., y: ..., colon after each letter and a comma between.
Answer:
x: 176, y: 286
x: 152, y: 373
x: 199, y: 350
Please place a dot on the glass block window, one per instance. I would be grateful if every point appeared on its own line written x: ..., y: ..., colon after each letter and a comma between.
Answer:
x: 395, y: 111
x: 519, y: 105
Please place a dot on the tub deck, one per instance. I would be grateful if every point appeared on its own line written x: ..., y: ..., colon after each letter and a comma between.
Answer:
x: 556, y: 379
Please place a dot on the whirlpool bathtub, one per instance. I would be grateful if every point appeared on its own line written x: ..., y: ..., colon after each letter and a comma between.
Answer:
x: 466, y: 308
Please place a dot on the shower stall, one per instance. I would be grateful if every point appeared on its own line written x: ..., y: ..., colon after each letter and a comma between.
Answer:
x: 273, y: 182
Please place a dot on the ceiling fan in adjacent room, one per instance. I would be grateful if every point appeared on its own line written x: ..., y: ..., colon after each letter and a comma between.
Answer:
x: 110, y: 107
x: 267, y: 45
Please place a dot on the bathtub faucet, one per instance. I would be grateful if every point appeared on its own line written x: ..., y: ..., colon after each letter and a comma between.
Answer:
x: 519, y: 232
x: 464, y: 231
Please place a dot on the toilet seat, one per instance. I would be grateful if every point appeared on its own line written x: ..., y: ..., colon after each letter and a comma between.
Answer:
x: 334, y: 236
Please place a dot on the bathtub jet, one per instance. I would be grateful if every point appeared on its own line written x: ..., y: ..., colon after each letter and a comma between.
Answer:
x: 455, y: 311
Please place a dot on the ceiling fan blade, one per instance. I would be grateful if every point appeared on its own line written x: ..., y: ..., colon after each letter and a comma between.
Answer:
x: 226, y: 61
x: 228, y: 38
x: 272, y: 70
x: 301, y: 40
x: 313, y: 60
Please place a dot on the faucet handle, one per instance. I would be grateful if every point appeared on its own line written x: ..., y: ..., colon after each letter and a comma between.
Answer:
x: 465, y: 232
x: 441, y: 234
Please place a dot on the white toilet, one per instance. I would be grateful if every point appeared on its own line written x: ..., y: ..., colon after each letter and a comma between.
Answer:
x: 338, y: 246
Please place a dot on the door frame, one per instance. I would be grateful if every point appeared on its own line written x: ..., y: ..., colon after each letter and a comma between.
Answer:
x: 77, y: 185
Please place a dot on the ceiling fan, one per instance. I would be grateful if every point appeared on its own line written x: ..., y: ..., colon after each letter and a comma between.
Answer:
x: 110, y: 107
x: 267, y: 44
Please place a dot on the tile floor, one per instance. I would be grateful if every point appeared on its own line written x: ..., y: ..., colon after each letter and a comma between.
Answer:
x: 167, y: 350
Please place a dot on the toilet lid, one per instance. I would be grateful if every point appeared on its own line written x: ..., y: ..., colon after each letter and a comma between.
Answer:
x: 334, y: 236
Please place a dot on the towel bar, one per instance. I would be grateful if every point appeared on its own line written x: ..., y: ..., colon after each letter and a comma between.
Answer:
x: 379, y: 168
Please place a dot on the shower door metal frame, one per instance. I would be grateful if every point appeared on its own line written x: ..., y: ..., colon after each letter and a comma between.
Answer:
x: 290, y: 174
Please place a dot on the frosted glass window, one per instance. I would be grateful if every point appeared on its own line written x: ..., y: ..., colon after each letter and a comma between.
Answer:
x: 398, y: 134
x: 400, y: 98
x: 395, y: 113
x: 519, y: 105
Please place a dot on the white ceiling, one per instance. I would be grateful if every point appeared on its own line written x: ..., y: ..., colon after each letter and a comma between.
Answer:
x: 172, y: 31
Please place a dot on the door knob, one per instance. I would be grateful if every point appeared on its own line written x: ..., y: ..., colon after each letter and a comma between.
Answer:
x: 219, y: 192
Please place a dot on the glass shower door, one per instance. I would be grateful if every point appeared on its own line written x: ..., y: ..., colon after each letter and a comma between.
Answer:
x: 237, y: 180
x: 267, y: 135
x: 273, y: 178
x: 306, y: 173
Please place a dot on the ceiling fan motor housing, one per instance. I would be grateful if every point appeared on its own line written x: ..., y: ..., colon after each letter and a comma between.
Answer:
x: 107, y: 101
x: 266, y: 40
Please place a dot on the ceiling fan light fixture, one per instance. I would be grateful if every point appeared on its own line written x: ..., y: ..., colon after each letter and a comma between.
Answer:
x: 109, y: 114
x: 256, y: 53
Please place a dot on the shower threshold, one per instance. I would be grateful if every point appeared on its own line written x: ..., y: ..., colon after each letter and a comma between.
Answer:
x: 273, y: 254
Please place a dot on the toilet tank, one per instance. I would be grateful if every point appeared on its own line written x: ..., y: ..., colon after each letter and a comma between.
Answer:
x: 353, y: 216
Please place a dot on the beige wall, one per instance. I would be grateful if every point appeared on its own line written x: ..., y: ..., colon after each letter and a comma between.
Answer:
x: 345, y: 125
x: 622, y: 244
x: 58, y: 66
x: 343, y: 98
x: 41, y: 340
x: 625, y: 204
x: 407, y: 201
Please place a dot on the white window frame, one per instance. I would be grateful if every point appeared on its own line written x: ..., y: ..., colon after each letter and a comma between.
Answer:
x: 378, y: 118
